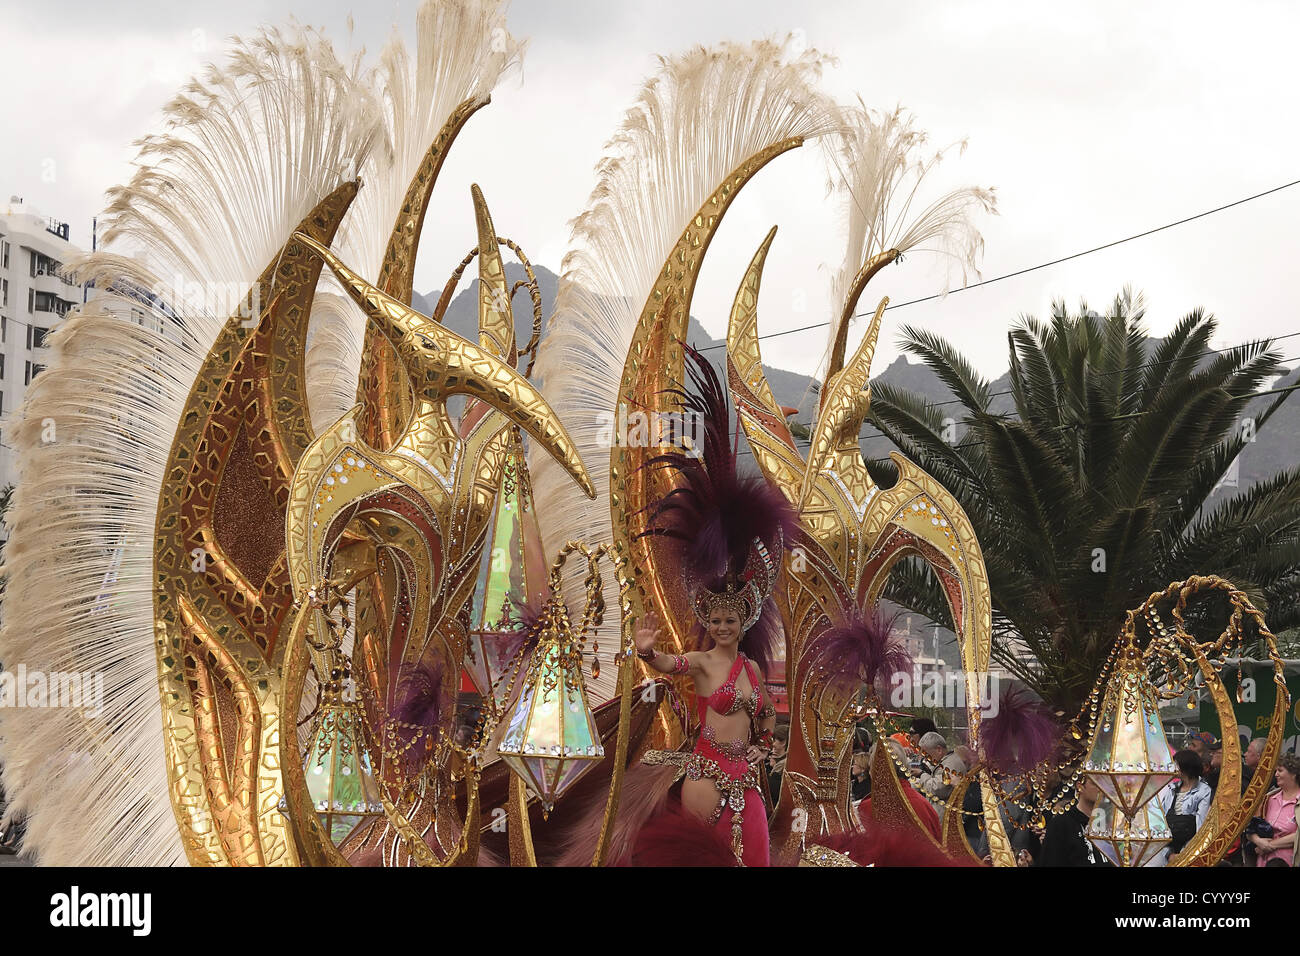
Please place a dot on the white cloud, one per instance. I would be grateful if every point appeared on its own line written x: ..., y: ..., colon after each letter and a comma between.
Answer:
x: 1094, y: 122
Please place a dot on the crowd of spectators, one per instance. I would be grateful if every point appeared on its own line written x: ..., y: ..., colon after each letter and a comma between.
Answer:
x: 1052, y: 830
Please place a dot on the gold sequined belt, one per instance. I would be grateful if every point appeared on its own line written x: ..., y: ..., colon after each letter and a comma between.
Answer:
x: 731, y: 790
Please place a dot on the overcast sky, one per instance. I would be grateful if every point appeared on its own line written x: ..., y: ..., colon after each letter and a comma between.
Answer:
x: 1093, y: 121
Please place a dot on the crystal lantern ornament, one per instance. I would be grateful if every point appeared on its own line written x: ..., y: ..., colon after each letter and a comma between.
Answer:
x: 1129, y: 761
x: 551, y: 738
x: 511, y: 566
x: 1129, y: 842
x: 1129, y: 758
x: 338, y: 771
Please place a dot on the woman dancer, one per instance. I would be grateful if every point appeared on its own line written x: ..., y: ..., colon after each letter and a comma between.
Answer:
x: 737, y: 721
x: 727, y: 535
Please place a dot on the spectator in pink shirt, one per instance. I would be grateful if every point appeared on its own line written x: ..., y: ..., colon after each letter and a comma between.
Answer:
x: 1280, y: 811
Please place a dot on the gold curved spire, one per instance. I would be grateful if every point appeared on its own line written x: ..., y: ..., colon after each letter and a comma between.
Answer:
x: 383, y: 388
x: 228, y: 603
x: 742, y: 328
x: 397, y: 273
x: 865, y: 274
x: 846, y: 402
x: 441, y: 363
x: 760, y: 415
x: 655, y: 364
x: 496, y: 321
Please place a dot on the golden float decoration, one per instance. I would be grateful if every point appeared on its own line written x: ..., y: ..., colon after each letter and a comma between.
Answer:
x: 266, y: 533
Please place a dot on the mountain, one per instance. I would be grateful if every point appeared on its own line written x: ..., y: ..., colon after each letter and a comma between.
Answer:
x: 1276, y: 447
x: 789, y: 388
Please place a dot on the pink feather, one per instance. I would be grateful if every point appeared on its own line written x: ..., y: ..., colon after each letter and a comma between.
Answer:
x: 676, y: 837
x: 883, y: 846
x: 1021, y: 735
x: 863, y: 649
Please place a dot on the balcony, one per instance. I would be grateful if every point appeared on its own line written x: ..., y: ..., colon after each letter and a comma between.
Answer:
x: 51, y: 302
x: 53, y: 284
x: 36, y: 337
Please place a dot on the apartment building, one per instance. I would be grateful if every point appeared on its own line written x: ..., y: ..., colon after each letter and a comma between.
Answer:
x: 35, y: 296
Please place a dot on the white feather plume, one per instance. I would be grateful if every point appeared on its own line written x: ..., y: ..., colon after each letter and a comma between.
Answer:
x: 700, y: 117
x: 463, y: 50
x: 881, y: 171
x: 247, y: 153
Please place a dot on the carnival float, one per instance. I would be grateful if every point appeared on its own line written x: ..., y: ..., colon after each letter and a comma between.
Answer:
x: 288, y: 531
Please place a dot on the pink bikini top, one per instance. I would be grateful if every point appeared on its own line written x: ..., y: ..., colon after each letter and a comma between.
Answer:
x: 727, y: 700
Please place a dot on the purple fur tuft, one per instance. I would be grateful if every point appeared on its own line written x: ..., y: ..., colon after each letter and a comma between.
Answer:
x: 421, y: 709
x: 1021, y: 735
x: 527, y: 631
x: 528, y: 614
x: 715, y: 513
x: 423, y: 697
x: 863, y: 649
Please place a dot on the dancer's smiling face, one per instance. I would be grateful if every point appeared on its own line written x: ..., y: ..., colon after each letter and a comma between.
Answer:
x: 724, y: 627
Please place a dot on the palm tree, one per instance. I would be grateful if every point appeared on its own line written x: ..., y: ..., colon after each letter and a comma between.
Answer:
x: 1093, y: 492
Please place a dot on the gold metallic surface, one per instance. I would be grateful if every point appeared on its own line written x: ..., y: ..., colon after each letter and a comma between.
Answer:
x: 889, y: 805
x: 217, y: 620
x: 441, y: 363
x: 426, y: 503
x: 954, y: 839
x: 655, y: 363
x: 626, y: 691
x: 531, y: 283
x: 315, y: 848
x: 383, y: 389
x: 851, y: 534
x: 824, y: 857
x: 496, y: 322
x: 856, y: 288
x: 1231, y: 809
x: 519, y: 830
x: 1228, y: 813
x: 835, y: 476
x: 220, y: 644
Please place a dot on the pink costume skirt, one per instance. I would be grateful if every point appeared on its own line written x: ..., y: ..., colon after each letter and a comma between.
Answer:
x: 738, y: 796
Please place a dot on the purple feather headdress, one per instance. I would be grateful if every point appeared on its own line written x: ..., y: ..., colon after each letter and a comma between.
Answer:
x: 1021, y: 735
x: 713, y: 516
x: 862, y: 649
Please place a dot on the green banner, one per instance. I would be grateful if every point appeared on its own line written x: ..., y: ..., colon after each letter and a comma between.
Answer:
x: 1257, y: 699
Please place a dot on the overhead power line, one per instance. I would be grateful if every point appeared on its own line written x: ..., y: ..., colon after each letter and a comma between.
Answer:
x: 804, y: 443
x: 1041, y: 265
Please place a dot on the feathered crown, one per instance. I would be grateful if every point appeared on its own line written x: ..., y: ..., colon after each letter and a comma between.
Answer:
x: 744, y: 594
x: 732, y: 528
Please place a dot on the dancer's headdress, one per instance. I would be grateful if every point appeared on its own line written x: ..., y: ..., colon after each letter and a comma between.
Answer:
x: 744, y: 594
x: 731, y: 528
